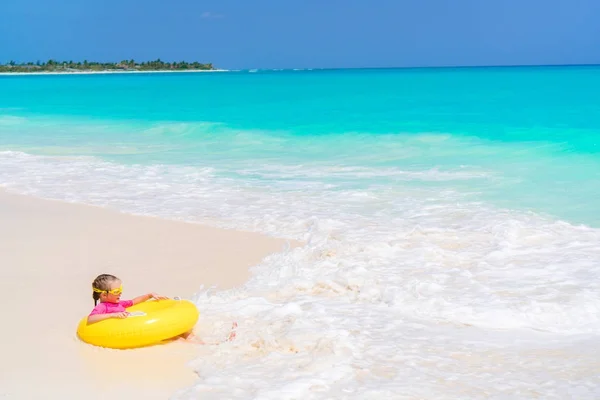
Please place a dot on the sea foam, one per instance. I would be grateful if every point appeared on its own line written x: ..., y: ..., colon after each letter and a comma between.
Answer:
x: 413, y: 291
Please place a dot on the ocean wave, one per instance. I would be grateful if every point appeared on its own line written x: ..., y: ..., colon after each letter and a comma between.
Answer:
x: 426, y: 252
x: 354, y: 172
x: 393, y: 281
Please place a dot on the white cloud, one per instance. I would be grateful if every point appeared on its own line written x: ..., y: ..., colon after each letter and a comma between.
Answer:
x: 211, y: 15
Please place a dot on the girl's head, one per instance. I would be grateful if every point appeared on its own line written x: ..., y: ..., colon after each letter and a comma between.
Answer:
x: 107, y: 288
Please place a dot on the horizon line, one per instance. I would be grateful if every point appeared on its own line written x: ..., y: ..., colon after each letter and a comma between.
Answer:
x: 422, y: 67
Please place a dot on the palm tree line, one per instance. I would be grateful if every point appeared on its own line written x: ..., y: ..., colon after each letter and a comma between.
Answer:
x: 125, y: 65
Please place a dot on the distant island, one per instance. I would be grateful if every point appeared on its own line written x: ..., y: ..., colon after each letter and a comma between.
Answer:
x: 87, y: 66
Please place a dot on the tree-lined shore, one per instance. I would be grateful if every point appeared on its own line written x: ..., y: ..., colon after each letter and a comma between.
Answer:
x: 92, y: 66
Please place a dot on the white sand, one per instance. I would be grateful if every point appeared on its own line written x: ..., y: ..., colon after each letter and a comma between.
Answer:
x: 49, y: 254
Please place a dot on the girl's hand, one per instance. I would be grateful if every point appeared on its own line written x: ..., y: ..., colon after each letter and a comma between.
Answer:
x: 158, y: 296
x: 120, y: 315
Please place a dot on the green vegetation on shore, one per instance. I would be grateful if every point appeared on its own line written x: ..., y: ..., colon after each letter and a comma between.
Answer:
x: 86, y: 66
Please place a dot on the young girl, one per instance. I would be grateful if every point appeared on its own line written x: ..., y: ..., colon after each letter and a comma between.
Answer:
x: 108, y: 288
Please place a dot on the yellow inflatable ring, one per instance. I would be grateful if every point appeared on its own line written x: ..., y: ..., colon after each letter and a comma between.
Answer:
x: 150, y: 322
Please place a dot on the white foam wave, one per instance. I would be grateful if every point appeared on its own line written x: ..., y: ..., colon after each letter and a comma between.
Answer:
x: 430, y: 256
x: 337, y: 172
x: 396, y: 284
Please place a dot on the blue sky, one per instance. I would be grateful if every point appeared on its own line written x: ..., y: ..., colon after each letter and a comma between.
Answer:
x: 303, y: 34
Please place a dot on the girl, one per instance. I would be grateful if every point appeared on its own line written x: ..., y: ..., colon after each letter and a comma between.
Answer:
x: 108, y: 288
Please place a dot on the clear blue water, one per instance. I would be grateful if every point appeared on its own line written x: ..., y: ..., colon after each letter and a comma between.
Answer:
x: 533, y: 132
x: 432, y: 198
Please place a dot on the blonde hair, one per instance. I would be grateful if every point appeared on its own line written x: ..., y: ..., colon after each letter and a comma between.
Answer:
x: 102, y: 282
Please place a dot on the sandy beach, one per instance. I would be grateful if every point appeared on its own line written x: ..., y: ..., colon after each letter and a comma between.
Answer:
x: 50, y: 252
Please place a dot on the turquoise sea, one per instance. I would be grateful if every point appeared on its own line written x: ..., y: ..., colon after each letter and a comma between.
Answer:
x: 451, y: 216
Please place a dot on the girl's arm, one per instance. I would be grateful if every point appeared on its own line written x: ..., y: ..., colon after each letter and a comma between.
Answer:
x: 148, y: 296
x: 101, y: 317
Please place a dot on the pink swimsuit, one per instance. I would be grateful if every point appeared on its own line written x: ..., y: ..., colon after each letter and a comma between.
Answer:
x: 110, y: 308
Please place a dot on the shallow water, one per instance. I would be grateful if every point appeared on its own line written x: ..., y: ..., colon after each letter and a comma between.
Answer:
x: 450, y: 216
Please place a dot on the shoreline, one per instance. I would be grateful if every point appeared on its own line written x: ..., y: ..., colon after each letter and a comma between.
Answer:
x: 50, y: 251
x: 108, y: 72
